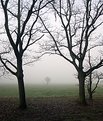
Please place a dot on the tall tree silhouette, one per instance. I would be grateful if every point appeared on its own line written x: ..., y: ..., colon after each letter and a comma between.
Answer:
x: 78, y: 21
x: 22, y: 31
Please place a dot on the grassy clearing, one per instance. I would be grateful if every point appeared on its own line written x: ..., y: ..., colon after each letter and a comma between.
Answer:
x: 40, y: 90
x: 45, y: 91
x: 51, y: 91
x: 8, y: 90
x: 49, y: 103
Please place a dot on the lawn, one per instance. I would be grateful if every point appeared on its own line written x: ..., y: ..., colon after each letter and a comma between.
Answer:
x: 52, y: 90
x: 40, y: 90
x: 45, y: 91
x: 49, y: 103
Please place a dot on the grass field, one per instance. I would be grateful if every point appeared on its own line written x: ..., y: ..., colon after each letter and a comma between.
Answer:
x: 49, y: 103
x: 39, y: 90
x: 45, y: 91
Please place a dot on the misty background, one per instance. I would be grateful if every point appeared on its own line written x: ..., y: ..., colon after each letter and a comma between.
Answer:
x: 55, y: 67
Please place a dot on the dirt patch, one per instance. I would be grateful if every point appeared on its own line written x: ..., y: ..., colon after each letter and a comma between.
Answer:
x: 50, y: 109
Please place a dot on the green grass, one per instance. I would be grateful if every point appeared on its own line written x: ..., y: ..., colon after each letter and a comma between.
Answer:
x: 99, y: 91
x: 59, y: 107
x: 40, y: 90
x: 8, y: 91
x: 51, y: 90
x: 45, y: 91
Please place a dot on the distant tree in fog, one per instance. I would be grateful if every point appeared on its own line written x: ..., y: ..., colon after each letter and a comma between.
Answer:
x: 47, y: 80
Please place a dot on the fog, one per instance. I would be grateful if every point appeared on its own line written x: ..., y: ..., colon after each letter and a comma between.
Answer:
x: 55, y: 67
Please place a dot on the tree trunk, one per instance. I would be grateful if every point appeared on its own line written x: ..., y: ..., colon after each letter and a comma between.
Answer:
x: 90, y: 96
x: 90, y: 93
x: 21, y: 87
x: 82, y: 89
x: 90, y: 87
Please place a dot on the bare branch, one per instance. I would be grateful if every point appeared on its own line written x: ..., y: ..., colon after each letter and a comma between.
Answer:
x: 100, y: 64
x: 10, y: 70
x: 29, y: 44
x: 12, y: 13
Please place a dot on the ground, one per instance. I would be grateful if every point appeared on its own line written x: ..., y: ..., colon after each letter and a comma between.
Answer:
x: 51, y: 109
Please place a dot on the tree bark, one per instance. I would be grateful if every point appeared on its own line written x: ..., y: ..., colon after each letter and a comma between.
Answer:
x: 90, y: 93
x: 20, y: 77
x: 82, y: 89
x: 90, y: 96
x: 90, y: 87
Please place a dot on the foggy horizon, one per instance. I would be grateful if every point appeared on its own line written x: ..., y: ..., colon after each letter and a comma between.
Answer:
x: 55, y: 67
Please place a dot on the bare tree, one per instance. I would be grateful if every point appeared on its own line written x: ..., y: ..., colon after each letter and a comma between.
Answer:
x: 47, y: 79
x: 22, y: 31
x: 2, y: 68
x: 91, y: 87
x: 78, y: 22
x: 93, y: 76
